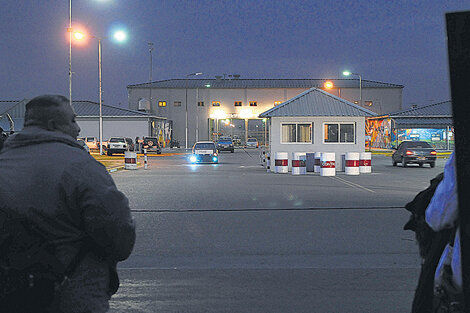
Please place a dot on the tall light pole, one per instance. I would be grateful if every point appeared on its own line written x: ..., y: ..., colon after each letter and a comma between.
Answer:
x: 151, y: 48
x: 101, y: 96
x: 69, y: 30
x: 119, y: 36
x: 347, y: 73
x: 186, y: 111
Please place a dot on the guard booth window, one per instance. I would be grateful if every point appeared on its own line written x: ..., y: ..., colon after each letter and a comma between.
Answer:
x: 297, y: 132
x: 339, y: 133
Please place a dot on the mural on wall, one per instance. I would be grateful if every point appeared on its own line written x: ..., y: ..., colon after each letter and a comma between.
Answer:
x: 436, y: 137
x: 162, y: 129
x: 381, y: 135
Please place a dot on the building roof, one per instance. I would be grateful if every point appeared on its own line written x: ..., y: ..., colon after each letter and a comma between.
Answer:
x: 6, y: 105
x: 89, y: 108
x: 422, y: 122
x: 435, y: 109
x: 435, y: 115
x: 316, y: 102
x: 82, y: 108
x: 260, y: 83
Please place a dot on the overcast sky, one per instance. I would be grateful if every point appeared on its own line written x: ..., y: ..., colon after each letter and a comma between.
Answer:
x: 400, y: 42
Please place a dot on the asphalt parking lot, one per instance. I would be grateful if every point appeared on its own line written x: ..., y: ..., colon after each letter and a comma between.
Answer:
x: 230, y: 237
x: 239, y: 182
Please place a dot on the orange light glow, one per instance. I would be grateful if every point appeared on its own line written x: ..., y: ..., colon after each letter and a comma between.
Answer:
x: 78, y: 35
x: 328, y: 85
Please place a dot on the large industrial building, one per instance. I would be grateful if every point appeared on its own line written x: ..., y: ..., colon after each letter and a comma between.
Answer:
x: 203, y: 109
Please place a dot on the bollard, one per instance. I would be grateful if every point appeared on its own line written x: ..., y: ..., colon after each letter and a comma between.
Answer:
x: 130, y: 160
x: 268, y: 162
x: 298, y: 163
x: 262, y: 158
x: 317, y: 163
x: 281, y: 162
x: 365, y: 162
x: 351, y: 166
x: 145, y: 158
x: 328, y: 167
x: 310, y: 160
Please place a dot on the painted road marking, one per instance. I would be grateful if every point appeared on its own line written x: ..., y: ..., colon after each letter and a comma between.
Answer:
x: 351, y: 184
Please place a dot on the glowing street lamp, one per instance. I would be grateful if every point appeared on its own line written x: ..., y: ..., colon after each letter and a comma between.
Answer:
x: 119, y: 36
x: 78, y: 35
x: 328, y: 84
x: 347, y: 73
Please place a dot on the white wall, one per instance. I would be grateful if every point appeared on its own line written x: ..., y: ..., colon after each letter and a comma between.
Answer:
x: 385, y: 100
x: 318, y: 145
x: 114, y: 127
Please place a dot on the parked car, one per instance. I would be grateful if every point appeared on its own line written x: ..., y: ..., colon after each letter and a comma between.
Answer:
x: 92, y: 142
x: 252, y: 143
x: 151, y: 144
x: 174, y: 144
x: 225, y: 144
x: 236, y: 140
x: 417, y: 152
x: 119, y: 145
x: 204, y: 152
x: 84, y: 145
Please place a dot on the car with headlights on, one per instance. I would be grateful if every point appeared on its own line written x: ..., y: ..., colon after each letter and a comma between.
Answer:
x: 414, y: 152
x: 204, y: 152
x: 225, y: 144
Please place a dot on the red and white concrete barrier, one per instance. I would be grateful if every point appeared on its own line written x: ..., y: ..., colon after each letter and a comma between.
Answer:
x: 299, y: 166
x: 281, y: 162
x: 328, y: 167
x: 317, y: 164
x: 130, y: 160
x: 351, y: 166
x: 365, y: 162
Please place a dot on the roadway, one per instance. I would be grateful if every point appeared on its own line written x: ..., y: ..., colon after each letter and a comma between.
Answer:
x: 232, y: 238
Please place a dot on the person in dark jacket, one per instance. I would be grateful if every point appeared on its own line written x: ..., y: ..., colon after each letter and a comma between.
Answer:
x: 2, y: 138
x: 47, y: 176
x: 430, y: 243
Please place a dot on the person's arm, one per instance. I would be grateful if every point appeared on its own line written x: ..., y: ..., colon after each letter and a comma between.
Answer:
x: 105, y: 212
x: 442, y: 211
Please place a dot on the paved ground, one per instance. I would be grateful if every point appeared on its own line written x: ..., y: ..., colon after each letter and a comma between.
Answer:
x: 233, y: 238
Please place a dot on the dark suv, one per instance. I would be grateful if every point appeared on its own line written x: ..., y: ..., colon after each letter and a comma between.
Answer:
x: 225, y: 144
x: 151, y: 144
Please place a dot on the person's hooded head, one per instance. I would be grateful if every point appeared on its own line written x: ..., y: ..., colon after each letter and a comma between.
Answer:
x: 53, y: 113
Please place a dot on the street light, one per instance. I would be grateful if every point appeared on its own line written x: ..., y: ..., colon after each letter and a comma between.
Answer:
x: 186, y: 111
x: 119, y: 36
x: 69, y: 30
x: 347, y: 73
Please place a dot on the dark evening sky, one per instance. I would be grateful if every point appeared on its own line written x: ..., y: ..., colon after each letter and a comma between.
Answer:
x: 401, y: 42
